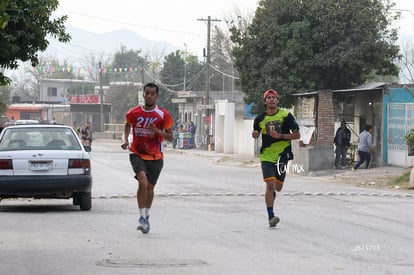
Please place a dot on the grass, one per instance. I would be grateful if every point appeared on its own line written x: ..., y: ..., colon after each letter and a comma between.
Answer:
x: 401, y: 180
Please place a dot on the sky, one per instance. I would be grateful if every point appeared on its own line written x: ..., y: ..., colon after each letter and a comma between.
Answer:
x: 406, y: 23
x: 173, y: 21
x: 177, y: 21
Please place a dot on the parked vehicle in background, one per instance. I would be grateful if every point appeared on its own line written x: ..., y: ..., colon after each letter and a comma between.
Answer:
x: 44, y: 161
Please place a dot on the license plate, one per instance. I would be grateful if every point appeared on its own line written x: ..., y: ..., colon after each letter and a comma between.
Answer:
x: 40, y: 166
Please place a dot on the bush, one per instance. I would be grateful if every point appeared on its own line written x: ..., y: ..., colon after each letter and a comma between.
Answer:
x: 409, y: 140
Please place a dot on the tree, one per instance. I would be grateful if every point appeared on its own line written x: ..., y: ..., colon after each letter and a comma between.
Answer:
x: 223, y: 75
x: 125, y: 59
x: 299, y: 46
x: 52, y: 67
x: 172, y: 73
x: 4, y: 98
x: 4, y: 17
x: 195, y: 79
x: 26, y: 89
x: 172, y: 79
x: 24, y: 26
x: 124, y: 97
x: 175, y: 66
x: 409, y: 140
x: 407, y: 63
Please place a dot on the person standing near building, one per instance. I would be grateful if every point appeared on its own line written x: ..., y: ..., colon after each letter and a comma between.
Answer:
x: 150, y: 125
x: 342, y: 141
x: 365, y: 147
x: 192, y: 128
x: 277, y: 127
x: 76, y: 127
x: 12, y: 121
x: 86, y: 134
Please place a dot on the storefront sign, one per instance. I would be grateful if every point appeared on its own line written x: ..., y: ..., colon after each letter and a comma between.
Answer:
x: 179, y: 100
x: 203, y: 107
x: 84, y: 99
x: 207, y: 119
x: 184, y: 94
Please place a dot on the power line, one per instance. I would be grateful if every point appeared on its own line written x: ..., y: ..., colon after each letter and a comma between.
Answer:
x: 400, y: 10
x: 166, y: 86
x: 132, y: 24
x: 223, y: 73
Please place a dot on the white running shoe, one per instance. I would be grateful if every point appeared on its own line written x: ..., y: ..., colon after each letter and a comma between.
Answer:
x: 143, y: 225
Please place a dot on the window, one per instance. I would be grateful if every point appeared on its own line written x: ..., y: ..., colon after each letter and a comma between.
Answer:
x: 51, y: 91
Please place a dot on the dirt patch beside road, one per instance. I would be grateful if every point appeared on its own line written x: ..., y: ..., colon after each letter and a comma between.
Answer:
x: 378, y: 177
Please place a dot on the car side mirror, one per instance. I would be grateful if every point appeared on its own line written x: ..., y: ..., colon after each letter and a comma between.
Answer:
x: 87, y: 148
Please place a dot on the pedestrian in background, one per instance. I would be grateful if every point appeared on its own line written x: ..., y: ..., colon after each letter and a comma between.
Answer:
x: 192, y: 128
x: 86, y: 134
x: 175, y: 137
x: 150, y: 125
x: 365, y: 147
x: 342, y: 142
x: 76, y: 127
x: 277, y: 127
x: 12, y: 121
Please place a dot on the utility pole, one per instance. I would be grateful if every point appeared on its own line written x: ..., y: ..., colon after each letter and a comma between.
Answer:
x: 208, y: 62
x: 141, y: 98
x: 185, y: 66
x: 101, y: 96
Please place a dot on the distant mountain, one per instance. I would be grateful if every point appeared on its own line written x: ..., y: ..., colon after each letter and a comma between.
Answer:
x: 84, y: 43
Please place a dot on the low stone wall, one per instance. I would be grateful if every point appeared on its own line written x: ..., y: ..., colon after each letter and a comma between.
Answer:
x: 103, y: 135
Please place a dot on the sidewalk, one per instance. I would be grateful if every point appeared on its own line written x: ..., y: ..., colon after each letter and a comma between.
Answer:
x: 375, y: 177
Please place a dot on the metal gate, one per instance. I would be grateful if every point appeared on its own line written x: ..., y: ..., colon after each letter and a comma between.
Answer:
x: 400, y: 121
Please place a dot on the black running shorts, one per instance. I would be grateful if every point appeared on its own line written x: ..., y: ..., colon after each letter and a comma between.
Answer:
x: 151, y: 167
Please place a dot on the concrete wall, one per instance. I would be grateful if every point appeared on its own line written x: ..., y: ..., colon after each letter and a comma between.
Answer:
x: 224, y: 127
x: 400, y: 159
x: 232, y: 133
x: 321, y: 155
x: 245, y: 143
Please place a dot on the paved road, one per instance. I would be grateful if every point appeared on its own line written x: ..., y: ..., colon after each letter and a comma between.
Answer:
x: 209, y: 219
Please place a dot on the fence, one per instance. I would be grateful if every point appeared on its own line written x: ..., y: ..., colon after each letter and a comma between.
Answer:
x: 117, y: 130
x: 400, y: 121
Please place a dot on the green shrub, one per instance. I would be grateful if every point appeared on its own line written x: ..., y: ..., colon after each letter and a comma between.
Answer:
x: 409, y: 140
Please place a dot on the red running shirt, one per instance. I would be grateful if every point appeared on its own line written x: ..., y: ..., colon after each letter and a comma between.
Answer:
x: 145, y: 143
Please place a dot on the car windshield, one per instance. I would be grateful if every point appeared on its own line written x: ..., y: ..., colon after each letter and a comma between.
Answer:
x: 47, y: 138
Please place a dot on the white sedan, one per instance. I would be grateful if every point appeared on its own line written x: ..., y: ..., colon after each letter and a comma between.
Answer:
x: 44, y: 161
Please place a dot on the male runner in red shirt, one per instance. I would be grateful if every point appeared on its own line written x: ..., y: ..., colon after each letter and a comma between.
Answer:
x: 150, y: 125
